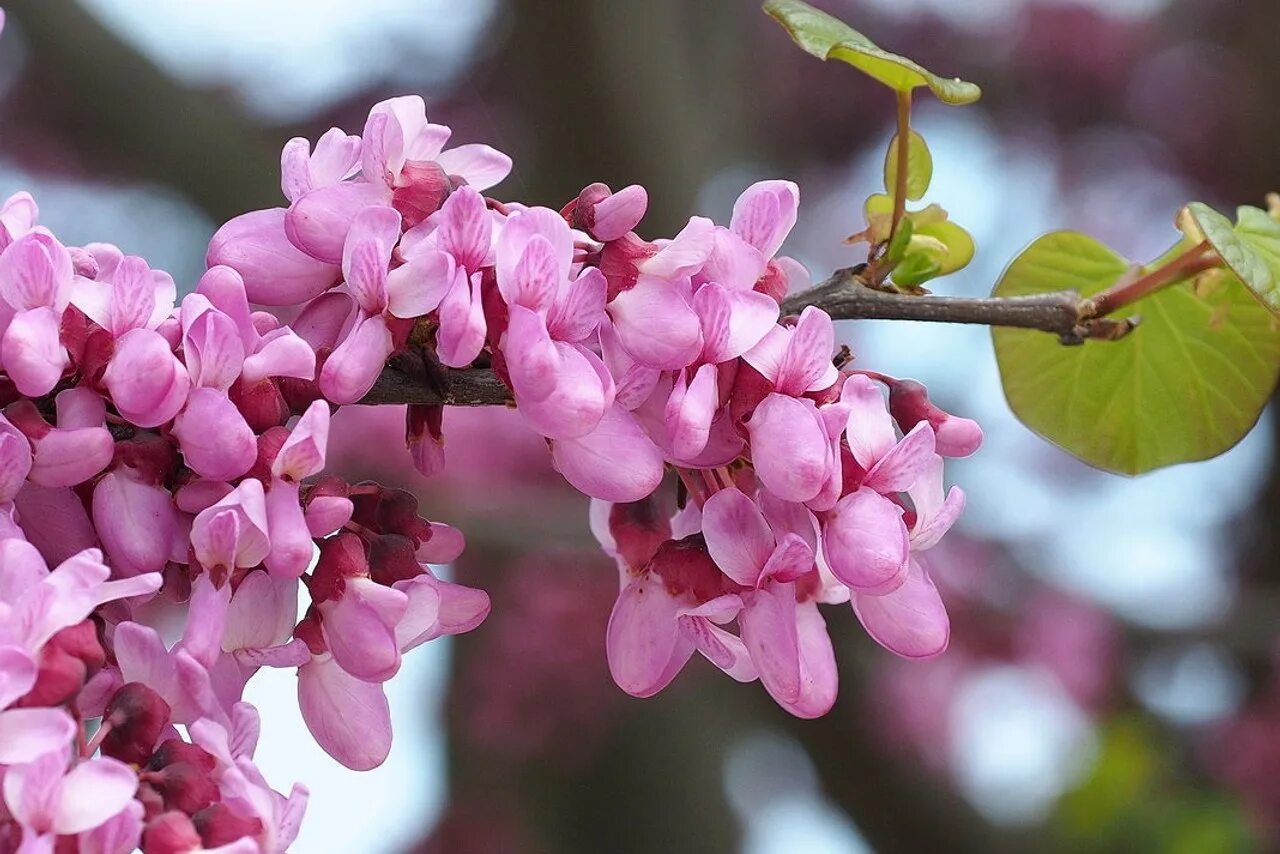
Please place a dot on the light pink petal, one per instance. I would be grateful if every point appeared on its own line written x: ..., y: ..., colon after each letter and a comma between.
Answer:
x: 337, y: 157
x: 31, y: 792
x: 765, y: 213
x: 733, y: 322
x: 303, y: 453
x: 911, y: 621
x: 292, y: 548
x: 26, y: 734
x: 418, y: 286
x: 819, y: 678
x: 211, y: 344
x: 206, y: 620
x: 656, y: 325
x: 646, y: 648
x: 738, y: 538
x: 354, y: 366
x: 142, y: 657
x: 295, y: 168
x: 438, y: 608
x: 690, y: 423
x: 462, y: 322
x: 445, y: 545
x: 17, y: 674
x: 870, y: 432
x: 24, y: 567
x: 786, y: 517
x: 32, y: 353
x: 583, y: 391
x: 615, y: 462
x: 216, y: 441
x: 792, y: 558
x: 536, y: 277
x: 366, y: 255
x: 318, y: 222
x: 133, y: 296
x: 619, y: 212
x: 479, y: 165
x: 685, y: 254
x: 635, y: 382
x: 768, y: 625
x: 15, y: 460
x: 533, y: 360
x: 93, y: 792
x: 146, y: 381
x: 137, y: 523
x: 790, y: 448
x: 224, y: 288
x: 466, y: 229
x: 806, y: 365
x: 733, y: 262
x: 280, y: 353
x: 721, y: 648
x: 768, y: 353
x: 934, y: 514
x: 262, y: 612
x: 54, y: 519
x: 580, y: 308
x: 325, y: 514
x: 905, y: 462
x: 865, y: 542
x: 275, y: 272
x: 359, y: 627
x: 349, y: 719
x: 120, y: 834
x: 36, y: 272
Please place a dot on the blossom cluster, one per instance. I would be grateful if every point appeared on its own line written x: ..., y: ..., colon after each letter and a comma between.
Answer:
x: 163, y: 494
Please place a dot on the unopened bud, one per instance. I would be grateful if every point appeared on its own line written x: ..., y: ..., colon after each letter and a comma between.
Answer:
x: 909, y: 404
x: 137, y: 716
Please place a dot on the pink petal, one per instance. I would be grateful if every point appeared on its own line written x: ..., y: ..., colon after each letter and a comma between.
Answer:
x: 348, y: 718
x: 733, y: 262
x: 291, y: 545
x: 303, y: 453
x: 897, y: 470
x: 206, y: 620
x: 280, y: 353
x: 295, y: 168
x: 418, y: 286
x: 934, y: 514
x: 733, y: 322
x: 792, y: 558
x: 911, y: 621
x: 870, y: 432
x: 318, y: 222
x: 223, y: 287
x: 366, y: 255
x: 17, y: 674
x: 790, y: 448
x: 275, y: 272
x: 615, y: 462
x: 136, y: 521
x: 691, y: 425
x: 26, y: 734
x: 359, y: 627
x: 580, y: 308
x: 619, y: 212
x: 325, y: 514
x: 583, y: 391
x: 462, y: 322
x: 765, y: 213
x: 262, y: 612
x: 685, y: 254
x: 768, y: 625
x: 721, y: 648
x: 479, y: 165
x: 211, y: 344
x: 32, y: 353
x: 738, y: 538
x: 119, y: 834
x: 518, y: 230
x: 865, y: 542
x: 352, y: 368
x: 15, y: 460
x: 146, y: 382
x: 645, y: 647
x: 216, y: 441
x: 806, y: 365
x: 656, y: 325
x: 533, y: 360
x: 466, y: 229
x: 36, y: 272
x: 54, y: 519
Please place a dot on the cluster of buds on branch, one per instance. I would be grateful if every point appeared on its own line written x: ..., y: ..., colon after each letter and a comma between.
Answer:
x: 164, y: 500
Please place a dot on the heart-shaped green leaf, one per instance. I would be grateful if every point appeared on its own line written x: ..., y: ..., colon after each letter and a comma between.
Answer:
x: 1238, y: 246
x: 830, y: 38
x: 1185, y: 385
x: 919, y: 166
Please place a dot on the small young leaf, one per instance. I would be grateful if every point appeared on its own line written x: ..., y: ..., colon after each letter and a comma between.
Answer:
x: 1262, y: 233
x: 958, y: 242
x: 901, y: 239
x: 829, y: 38
x: 1238, y: 247
x: 919, y: 166
x: 1186, y: 385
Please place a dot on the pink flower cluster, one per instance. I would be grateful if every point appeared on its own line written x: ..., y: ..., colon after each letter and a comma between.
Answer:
x: 166, y: 457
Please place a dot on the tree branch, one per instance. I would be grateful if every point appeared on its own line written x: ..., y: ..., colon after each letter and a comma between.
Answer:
x: 843, y: 296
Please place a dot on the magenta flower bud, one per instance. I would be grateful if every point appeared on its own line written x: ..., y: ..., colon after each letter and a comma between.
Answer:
x: 173, y: 750
x: 170, y: 833
x: 233, y: 533
x: 219, y: 826
x: 66, y: 661
x: 616, y: 214
x: 325, y: 514
x: 137, y: 716
x: 423, y: 434
x: 275, y: 272
x: 638, y: 529
x: 216, y: 441
x: 392, y: 559
x: 146, y: 381
x: 183, y: 786
x: 909, y: 403
x: 420, y: 190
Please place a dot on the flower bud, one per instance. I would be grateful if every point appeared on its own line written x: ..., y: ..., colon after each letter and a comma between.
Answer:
x: 218, y: 825
x: 639, y: 528
x: 909, y: 403
x: 420, y: 191
x: 137, y: 716
x: 66, y: 661
x: 275, y: 272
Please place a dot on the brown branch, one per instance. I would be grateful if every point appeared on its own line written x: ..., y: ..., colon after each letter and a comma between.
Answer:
x: 843, y: 296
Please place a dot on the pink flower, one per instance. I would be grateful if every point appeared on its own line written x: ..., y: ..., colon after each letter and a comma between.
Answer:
x: 233, y: 532
x: 35, y: 288
x: 301, y: 456
x: 18, y: 214
x: 617, y: 461
x: 744, y: 545
x: 335, y: 159
x: 136, y: 521
x: 787, y: 639
x: 15, y: 460
x: 74, y: 451
x: 147, y: 383
x: 49, y: 799
x: 275, y: 272
x: 130, y: 296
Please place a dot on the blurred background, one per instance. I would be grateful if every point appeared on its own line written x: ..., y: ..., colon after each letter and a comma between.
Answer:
x: 1111, y: 683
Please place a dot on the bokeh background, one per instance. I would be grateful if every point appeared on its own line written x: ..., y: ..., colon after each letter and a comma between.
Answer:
x: 1111, y: 683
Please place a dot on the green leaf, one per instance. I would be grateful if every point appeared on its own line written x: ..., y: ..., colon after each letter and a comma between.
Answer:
x: 957, y: 241
x: 919, y: 166
x: 1185, y: 385
x: 901, y: 239
x: 829, y: 38
x: 1239, y: 247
